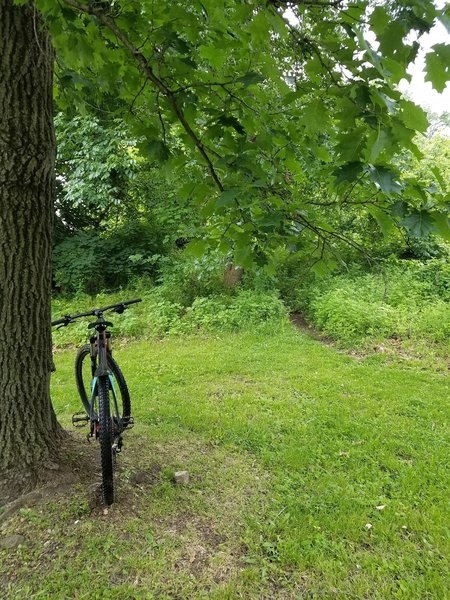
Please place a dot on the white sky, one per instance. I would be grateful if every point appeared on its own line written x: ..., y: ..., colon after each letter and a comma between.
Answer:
x: 418, y: 89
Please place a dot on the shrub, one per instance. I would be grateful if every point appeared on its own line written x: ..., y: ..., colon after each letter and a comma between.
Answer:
x: 87, y: 262
x: 157, y: 316
x: 409, y: 301
x: 184, y: 278
x: 246, y: 310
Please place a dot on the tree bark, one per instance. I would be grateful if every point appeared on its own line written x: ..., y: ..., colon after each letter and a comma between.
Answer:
x: 29, y: 432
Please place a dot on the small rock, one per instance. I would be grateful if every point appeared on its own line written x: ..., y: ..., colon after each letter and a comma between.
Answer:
x: 11, y: 541
x: 181, y: 477
x: 94, y: 495
x: 141, y: 477
x: 368, y: 525
x: 381, y: 507
x: 51, y: 465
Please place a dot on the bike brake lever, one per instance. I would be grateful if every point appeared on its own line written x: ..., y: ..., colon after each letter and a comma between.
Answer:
x: 67, y: 322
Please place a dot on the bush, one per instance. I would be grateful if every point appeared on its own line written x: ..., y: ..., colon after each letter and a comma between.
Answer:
x: 342, y: 315
x: 183, y: 278
x: 87, y: 262
x: 157, y: 316
x: 409, y: 301
x: 246, y: 310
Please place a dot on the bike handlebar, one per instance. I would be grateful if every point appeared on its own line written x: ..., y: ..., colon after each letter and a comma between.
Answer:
x: 120, y: 307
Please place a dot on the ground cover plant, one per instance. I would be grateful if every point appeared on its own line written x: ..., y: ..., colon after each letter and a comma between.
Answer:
x: 194, y: 138
x: 405, y: 303
x: 312, y: 474
x: 160, y: 314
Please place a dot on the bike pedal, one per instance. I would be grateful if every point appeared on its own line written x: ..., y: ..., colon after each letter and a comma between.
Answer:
x: 83, y: 420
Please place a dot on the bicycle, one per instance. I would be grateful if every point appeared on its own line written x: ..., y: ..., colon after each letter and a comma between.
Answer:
x: 104, y: 375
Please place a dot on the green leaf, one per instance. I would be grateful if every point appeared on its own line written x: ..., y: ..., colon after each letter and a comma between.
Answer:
x: 315, y: 116
x: 386, y: 180
x: 226, y: 198
x: 442, y: 224
x: 391, y: 39
x: 438, y: 66
x: 383, y: 143
x: 419, y: 223
x: 436, y: 172
x: 215, y: 57
x: 352, y: 144
x: 348, y: 172
x: 197, y: 247
x: 379, y: 20
x: 385, y: 222
x: 250, y: 78
x: 413, y: 116
x: 243, y: 255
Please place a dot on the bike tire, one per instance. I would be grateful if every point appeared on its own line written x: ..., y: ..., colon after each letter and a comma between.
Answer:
x: 124, y: 401
x: 106, y: 437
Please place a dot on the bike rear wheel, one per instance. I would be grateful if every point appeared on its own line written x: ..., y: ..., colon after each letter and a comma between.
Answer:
x: 106, y: 438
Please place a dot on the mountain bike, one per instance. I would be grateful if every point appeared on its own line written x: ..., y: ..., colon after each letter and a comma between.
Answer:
x: 98, y: 377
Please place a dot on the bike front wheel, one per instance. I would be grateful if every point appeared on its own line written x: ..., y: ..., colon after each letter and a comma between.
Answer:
x: 84, y: 371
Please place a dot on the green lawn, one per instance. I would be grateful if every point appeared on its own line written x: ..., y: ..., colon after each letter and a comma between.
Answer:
x: 313, y: 475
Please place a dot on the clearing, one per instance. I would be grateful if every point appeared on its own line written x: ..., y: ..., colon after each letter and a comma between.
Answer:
x: 312, y: 475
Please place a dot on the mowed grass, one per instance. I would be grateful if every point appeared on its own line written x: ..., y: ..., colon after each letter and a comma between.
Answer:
x: 313, y: 475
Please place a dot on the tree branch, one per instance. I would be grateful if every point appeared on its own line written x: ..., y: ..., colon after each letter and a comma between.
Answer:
x: 151, y: 76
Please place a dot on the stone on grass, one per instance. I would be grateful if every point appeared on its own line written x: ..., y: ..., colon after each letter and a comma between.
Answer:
x: 11, y: 541
x: 181, y: 477
x: 142, y: 477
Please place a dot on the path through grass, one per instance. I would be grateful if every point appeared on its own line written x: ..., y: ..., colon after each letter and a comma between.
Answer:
x: 313, y: 475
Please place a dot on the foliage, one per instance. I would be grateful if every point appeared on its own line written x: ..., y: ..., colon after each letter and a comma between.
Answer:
x: 406, y: 301
x: 116, y: 213
x: 157, y: 316
x: 91, y: 263
x: 249, y: 101
x: 95, y: 164
x: 183, y: 277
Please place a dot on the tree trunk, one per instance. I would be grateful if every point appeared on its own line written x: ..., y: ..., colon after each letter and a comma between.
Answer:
x: 29, y: 433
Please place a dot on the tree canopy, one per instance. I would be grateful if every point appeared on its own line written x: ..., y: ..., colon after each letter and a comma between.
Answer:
x: 248, y: 100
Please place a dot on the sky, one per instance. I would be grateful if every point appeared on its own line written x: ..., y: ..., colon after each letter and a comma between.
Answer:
x: 420, y: 90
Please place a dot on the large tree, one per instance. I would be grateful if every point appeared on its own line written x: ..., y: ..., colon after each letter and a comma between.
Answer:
x: 29, y: 433
x: 243, y: 99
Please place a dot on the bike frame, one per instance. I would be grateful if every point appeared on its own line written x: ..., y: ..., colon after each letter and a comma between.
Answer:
x: 100, y: 348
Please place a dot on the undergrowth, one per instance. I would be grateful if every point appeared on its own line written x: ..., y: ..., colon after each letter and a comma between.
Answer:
x: 406, y: 300
x: 158, y: 316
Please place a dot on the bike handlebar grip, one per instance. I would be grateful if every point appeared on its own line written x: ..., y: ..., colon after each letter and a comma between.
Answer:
x: 59, y: 321
x: 132, y: 301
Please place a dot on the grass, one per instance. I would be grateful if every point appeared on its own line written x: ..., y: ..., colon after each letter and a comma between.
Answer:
x: 313, y: 475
